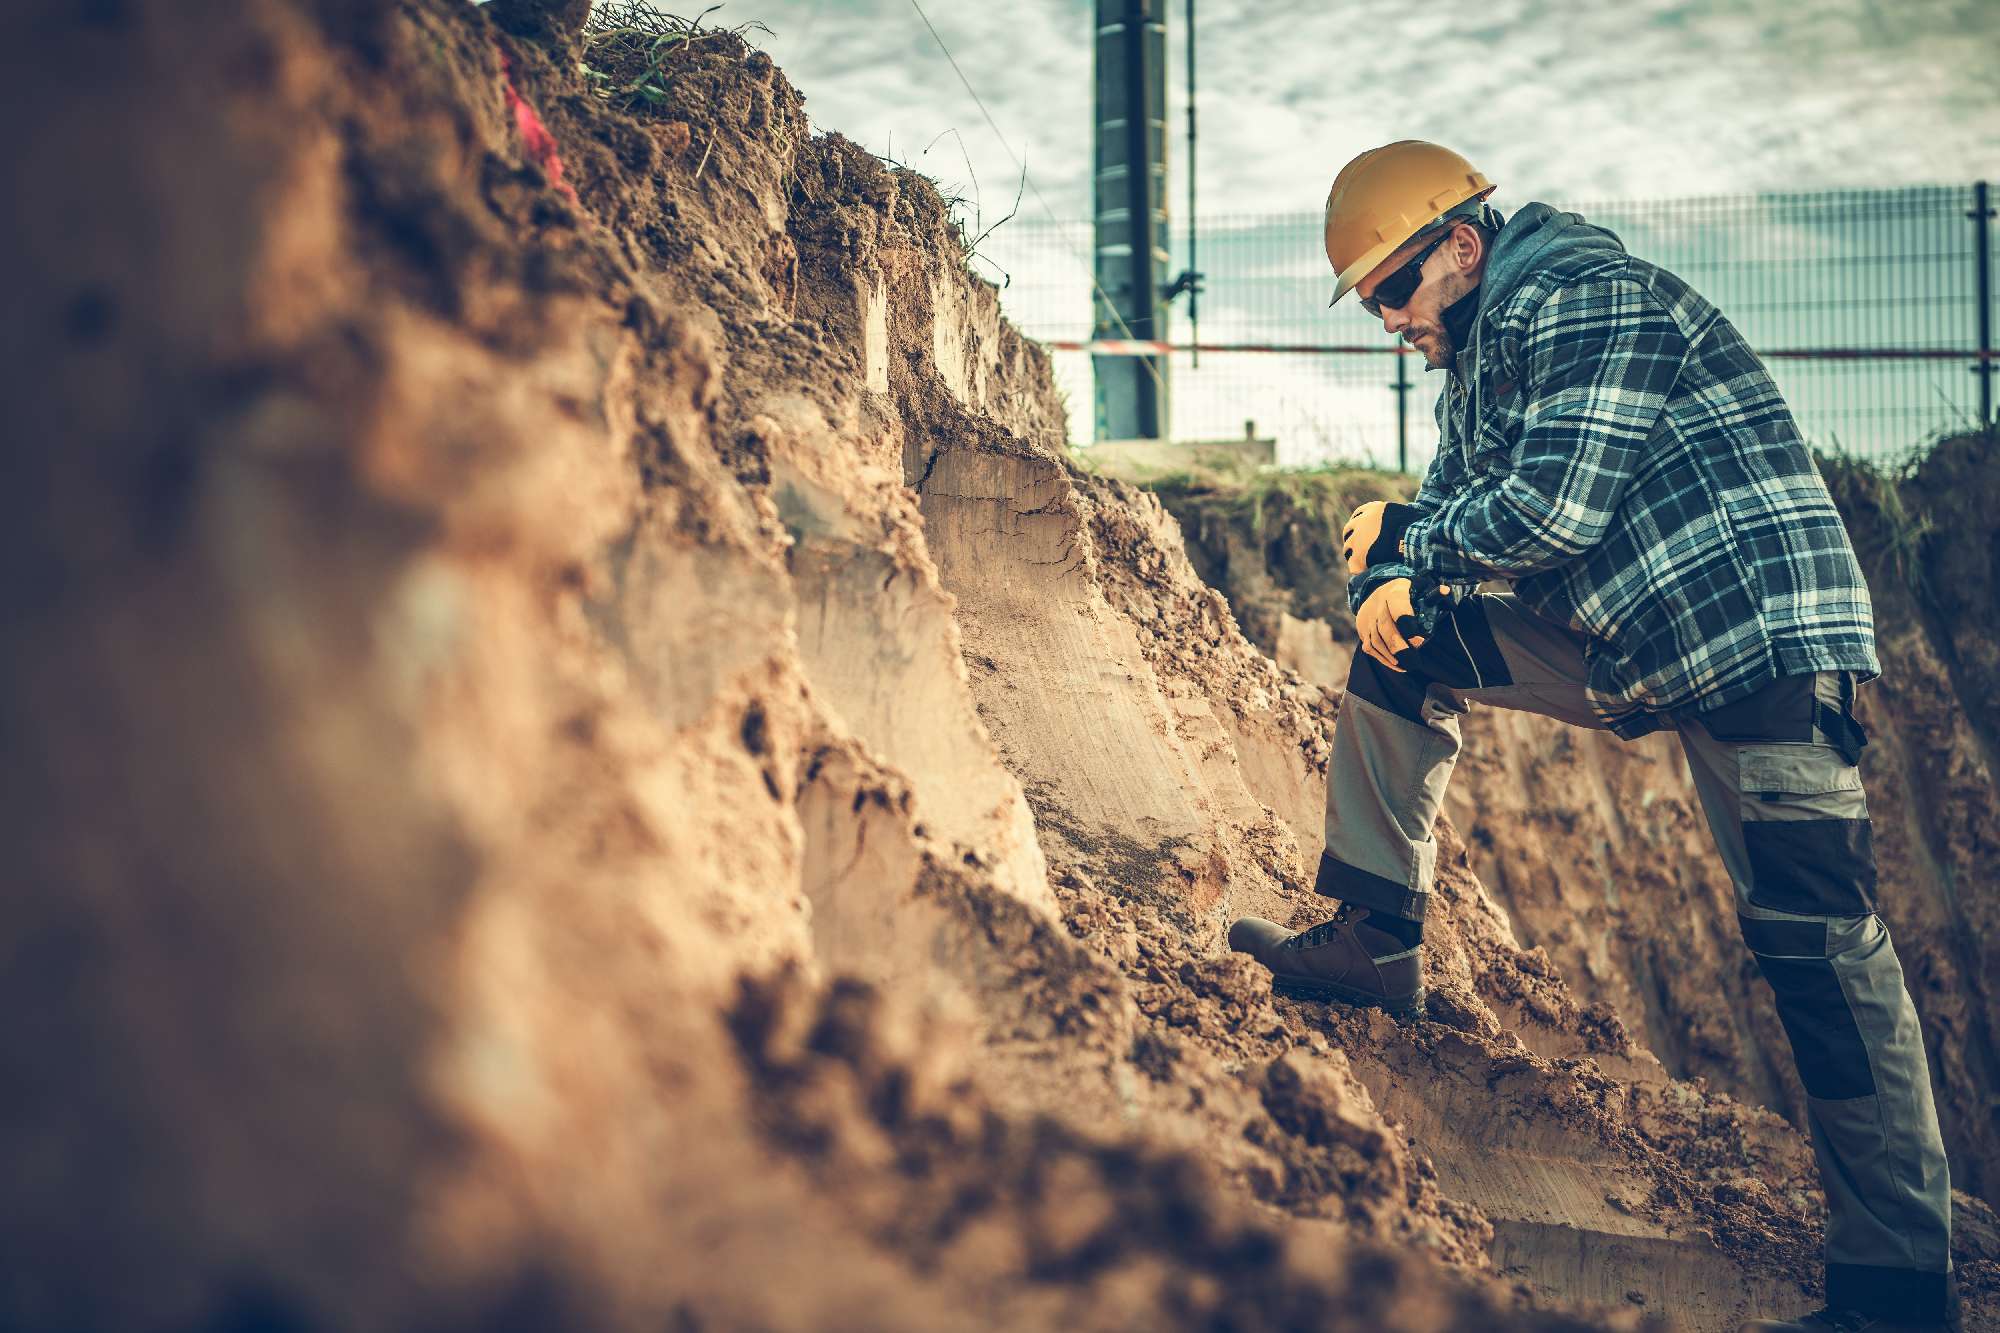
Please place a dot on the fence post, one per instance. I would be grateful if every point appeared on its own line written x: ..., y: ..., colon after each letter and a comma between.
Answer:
x: 1982, y: 233
x: 1401, y: 389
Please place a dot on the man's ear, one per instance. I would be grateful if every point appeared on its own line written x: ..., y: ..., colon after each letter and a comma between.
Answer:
x: 1468, y: 246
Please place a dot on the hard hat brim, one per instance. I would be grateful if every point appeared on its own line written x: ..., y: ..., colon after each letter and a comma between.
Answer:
x: 1351, y: 277
x: 1470, y: 209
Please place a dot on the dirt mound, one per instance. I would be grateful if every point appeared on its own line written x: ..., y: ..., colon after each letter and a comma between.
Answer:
x: 582, y: 760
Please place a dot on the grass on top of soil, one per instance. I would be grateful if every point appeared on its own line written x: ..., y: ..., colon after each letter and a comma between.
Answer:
x: 629, y: 49
x: 1325, y: 494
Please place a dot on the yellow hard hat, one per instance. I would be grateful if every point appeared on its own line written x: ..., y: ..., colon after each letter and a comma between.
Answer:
x: 1387, y: 195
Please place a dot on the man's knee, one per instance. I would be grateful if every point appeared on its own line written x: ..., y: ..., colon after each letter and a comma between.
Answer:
x: 1398, y: 692
x: 1461, y: 653
x: 1803, y: 961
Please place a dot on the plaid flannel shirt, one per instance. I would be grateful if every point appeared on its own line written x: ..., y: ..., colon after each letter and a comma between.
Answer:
x: 1633, y: 470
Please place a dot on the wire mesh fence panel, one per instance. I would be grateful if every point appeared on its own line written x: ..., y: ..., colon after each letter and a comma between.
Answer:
x: 1836, y: 291
x: 1864, y: 304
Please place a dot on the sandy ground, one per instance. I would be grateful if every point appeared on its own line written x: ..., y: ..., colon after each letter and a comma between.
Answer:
x: 582, y: 759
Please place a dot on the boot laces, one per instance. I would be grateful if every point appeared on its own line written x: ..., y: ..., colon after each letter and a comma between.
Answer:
x: 1323, y: 932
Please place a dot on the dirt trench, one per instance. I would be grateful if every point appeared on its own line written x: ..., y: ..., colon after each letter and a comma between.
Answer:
x: 583, y: 760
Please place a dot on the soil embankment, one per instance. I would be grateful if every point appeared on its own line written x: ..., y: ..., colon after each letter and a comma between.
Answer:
x: 580, y: 759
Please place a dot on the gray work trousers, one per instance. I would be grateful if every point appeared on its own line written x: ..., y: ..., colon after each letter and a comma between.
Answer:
x: 1778, y: 779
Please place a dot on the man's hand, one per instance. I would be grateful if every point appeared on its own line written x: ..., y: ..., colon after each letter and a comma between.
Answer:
x: 1373, y: 532
x: 1377, y: 623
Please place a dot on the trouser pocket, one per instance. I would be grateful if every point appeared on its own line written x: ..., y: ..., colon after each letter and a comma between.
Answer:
x: 1814, y: 706
x: 1806, y: 834
x: 1833, y: 714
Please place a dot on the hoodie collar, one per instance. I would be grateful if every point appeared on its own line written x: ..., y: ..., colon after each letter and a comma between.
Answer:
x: 1458, y: 316
x: 1535, y: 238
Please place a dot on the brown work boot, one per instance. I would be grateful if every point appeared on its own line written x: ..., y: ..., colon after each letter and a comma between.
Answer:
x: 1329, y: 963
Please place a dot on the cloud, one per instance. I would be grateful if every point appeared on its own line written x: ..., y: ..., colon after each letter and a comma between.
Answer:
x: 1578, y: 105
x: 1555, y: 100
x: 871, y: 70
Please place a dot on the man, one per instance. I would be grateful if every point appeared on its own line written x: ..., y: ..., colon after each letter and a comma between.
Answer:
x: 1612, y: 449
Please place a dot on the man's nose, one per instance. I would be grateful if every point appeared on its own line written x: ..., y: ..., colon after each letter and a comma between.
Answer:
x: 1393, y: 319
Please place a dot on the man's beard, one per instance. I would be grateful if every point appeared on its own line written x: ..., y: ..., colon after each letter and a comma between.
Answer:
x: 1454, y: 323
x: 1437, y: 350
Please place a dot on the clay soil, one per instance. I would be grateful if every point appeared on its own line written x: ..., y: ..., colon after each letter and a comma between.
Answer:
x: 580, y: 757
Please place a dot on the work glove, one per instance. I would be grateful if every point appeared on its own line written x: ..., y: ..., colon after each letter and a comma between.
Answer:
x: 1394, y: 617
x: 1374, y: 533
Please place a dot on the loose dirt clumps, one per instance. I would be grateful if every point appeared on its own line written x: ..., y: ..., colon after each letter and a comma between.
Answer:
x: 584, y: 760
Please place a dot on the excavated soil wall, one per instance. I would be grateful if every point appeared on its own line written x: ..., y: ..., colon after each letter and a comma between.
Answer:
x: 579, y: 758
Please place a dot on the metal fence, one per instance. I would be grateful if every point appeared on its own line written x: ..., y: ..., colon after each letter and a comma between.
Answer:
x: 1874, y: 310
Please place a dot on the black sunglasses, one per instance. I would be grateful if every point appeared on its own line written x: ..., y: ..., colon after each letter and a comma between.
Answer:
x: 1395, y: 290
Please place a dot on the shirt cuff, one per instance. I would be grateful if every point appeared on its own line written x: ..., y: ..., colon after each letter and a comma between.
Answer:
x: 1416, y: 541
x: 1360, y: 586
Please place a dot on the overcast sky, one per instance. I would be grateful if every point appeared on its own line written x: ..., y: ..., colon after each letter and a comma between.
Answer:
x: 1569, y: 103
x: 1555, y: 101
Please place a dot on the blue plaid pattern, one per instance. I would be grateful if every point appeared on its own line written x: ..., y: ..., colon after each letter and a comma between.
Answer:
x: 1628, y: 463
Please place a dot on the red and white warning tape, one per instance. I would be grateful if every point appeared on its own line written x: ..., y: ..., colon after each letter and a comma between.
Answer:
x: 1142, y: 347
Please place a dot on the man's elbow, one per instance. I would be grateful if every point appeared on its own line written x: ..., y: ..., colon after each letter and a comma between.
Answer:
x: 1546, y: 550
x: 1571, y: 541
x: 1553, y: 534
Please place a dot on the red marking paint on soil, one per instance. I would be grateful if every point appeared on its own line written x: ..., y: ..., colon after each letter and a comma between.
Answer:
x: 541, y: 144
